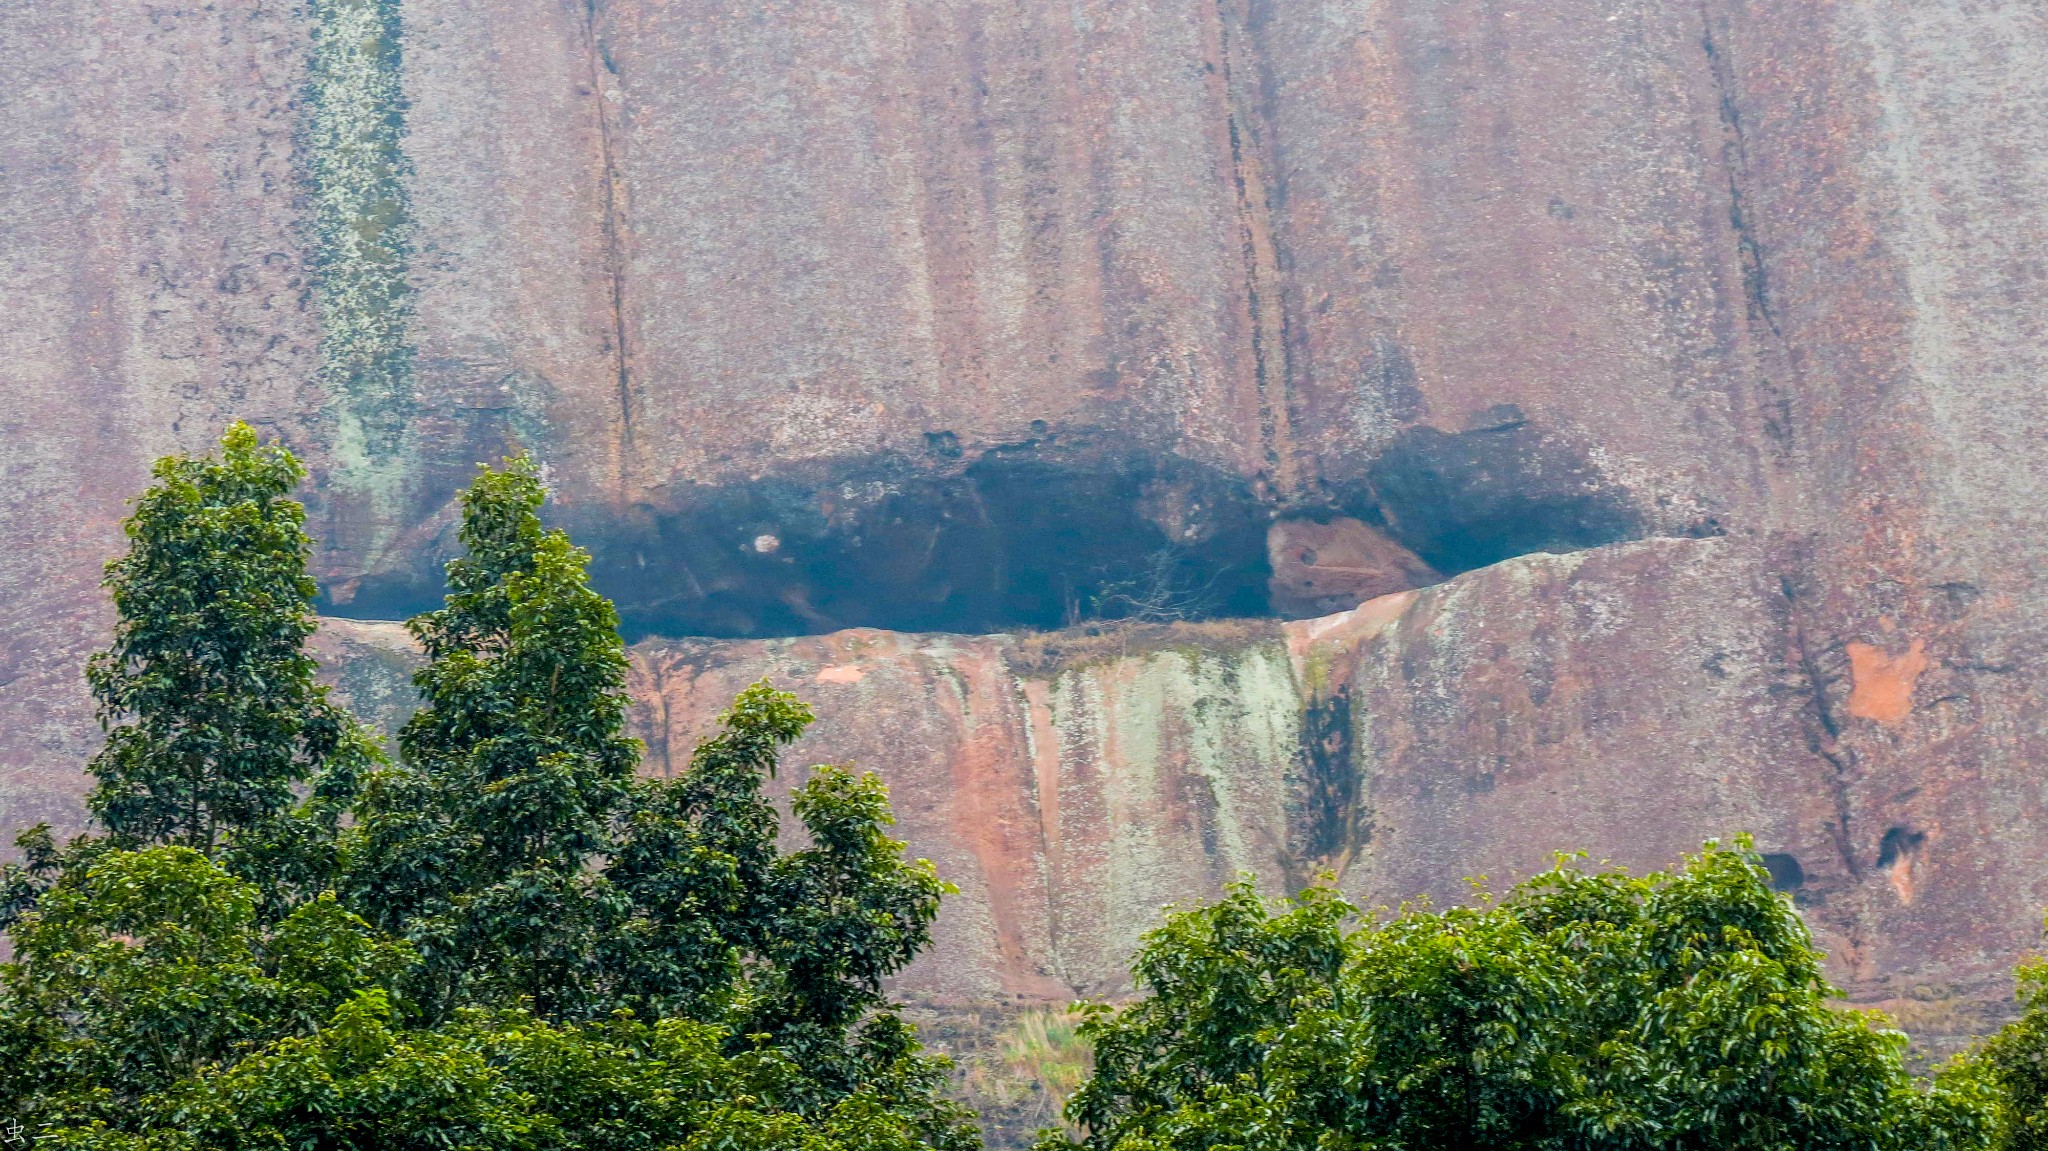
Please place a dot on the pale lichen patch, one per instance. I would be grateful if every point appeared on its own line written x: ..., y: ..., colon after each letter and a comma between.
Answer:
x: 355, y: 169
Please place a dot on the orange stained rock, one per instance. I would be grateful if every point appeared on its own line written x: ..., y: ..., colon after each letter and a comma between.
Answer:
x: 1900, y: 875
x: 1344, y: 631
x: 1881, y: 684
x: 1319, y: 568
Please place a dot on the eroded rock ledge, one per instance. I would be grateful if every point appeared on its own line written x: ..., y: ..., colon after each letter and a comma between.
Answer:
x: 1628, y: 701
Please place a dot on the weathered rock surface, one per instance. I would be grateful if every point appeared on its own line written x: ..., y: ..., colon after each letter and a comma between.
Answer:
x: 1626, y: 701
x: 1321, y: 568
x: 993, y: 314
x: 150, y: 282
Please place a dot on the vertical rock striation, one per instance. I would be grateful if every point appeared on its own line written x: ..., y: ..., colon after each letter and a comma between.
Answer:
x: 153, y: 286
x: 362, y: 230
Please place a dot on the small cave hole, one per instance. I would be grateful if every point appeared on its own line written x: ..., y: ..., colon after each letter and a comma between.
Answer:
x: 1501, y: 488
x: 1786, y: 874
x: 1899, y: 844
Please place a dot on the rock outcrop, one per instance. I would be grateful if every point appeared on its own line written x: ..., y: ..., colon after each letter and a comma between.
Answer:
x: 992, y: 315
x: 1320, y: 568
x: 1626, y: 701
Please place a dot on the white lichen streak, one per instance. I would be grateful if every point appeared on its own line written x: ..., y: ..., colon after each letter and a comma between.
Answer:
x: 355, y: 172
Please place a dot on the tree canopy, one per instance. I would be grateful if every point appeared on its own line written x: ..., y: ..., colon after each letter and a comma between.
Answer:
x: 1582, y: 1011
x: 504, y: 939
x: 214, y: 721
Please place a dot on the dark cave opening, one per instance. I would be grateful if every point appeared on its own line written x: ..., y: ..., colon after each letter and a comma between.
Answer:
x: 1012, y: 540
x: 1055, y: 532
x: 1899, y: 843
x: 1785, y: 871
x: 1499, y: 489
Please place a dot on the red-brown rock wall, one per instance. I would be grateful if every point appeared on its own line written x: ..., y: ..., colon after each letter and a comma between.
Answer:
x: 1627, y: 702
x: 151, y: 287
x: 1569, y: 273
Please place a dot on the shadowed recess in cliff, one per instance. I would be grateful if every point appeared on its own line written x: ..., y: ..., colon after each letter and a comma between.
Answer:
x: 1020, y: 537
x: 1055, y: 532
x: 1500, y: 488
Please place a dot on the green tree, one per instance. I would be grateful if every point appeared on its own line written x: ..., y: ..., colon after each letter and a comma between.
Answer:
x: 550, y: 953
x: 843, y: 914
x: 794, y: 945
x: 22, y: 884
x: 502, y: 1080
x: 476, y: 846
x: 214, y: 722
x: 1583, y: 1011
x: 694, y: 857
x: 515, y: 850
x: 2012, y: 1068
x: 139, y: 969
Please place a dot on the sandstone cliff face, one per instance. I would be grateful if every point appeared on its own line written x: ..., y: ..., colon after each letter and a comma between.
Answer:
x: 151, y: 282
x: 1628, y: 700
x: 990, y: 314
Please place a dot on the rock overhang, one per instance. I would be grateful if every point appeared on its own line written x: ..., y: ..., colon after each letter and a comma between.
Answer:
x: 1074, y: 781
x: 1060, y: 530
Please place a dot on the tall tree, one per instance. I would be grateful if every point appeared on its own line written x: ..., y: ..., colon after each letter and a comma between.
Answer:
x: 213, y: 719
x: 514, y: 848
x: 475, y: 848
x: 549, y: 952
x: 2013, y: 1067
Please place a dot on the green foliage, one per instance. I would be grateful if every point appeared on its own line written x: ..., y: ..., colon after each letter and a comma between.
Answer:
x: 2012, y: 1068
x: 150, y: 1007
x: 529, y: 948
x: 840, y: 915
x: 1583, y: 1011
x: 22, y: 884
x: 516, y: 851
x: 695, y: 856
x: 141, y: 968
x: 207, y: 693
x: 475, y: 848
x: 1023, y: 1076
x: 792, y: 947
x: 504, y: 1078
